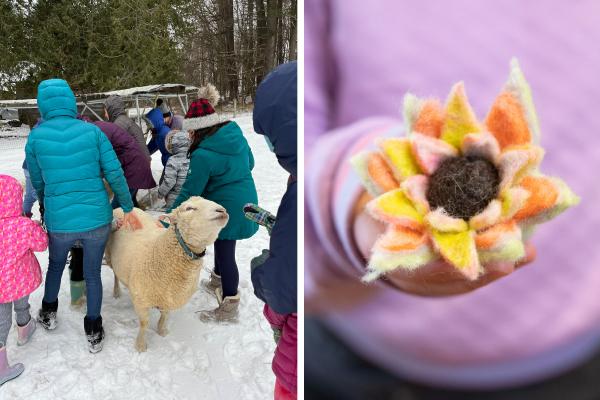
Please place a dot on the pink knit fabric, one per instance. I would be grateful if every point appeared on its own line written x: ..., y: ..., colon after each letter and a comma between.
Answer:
x: 285, y: 362
x: 20, y: 272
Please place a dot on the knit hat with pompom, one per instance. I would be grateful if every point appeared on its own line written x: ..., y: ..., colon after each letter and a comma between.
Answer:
x: 201, y: 113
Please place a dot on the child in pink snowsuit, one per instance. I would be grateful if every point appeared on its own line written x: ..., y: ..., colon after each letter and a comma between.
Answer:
x: 20, y: 272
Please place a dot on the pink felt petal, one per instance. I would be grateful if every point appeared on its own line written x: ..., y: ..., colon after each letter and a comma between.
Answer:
x: 482, y: 145
x: 516, y: 163
x: 439, y: 220
x: 430, y: 152
x: 489, y: 216
x: 415, y: 189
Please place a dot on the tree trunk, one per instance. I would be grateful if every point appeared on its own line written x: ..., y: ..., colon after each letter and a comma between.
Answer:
x: 261, y: 38
x: 280, y: 33
x: 230, y: 75
x: 292, y: 43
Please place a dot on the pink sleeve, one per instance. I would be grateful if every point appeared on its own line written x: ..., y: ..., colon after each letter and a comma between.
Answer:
x: 318, y: 79
x: 276, y: 320
x: 331, y: 190
x: 38, y: 239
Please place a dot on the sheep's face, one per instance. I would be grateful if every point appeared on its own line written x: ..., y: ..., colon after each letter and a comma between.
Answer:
x: 199, y: 221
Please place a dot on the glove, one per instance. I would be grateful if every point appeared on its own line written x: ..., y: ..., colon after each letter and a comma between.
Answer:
x: 259, y: 215
x: 259, y: 260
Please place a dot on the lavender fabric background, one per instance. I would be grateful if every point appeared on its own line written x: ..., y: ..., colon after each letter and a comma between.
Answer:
x: 360, y: 59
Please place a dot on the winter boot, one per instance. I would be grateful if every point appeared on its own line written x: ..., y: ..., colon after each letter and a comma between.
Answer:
x: 8, y: 372
x: 78, y: 293
x: 227, y: 311
x: 213, y: 283
x: 94, y: 333
x: 47, y: 315
x: 25, y: 332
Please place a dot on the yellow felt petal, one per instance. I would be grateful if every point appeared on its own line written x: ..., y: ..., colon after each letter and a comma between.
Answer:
x: 383, y: 261
x: 399, y: 155
x: 395, y: 208
x: 517, y: 84
x: 460, y: 118
x: 458, y: 249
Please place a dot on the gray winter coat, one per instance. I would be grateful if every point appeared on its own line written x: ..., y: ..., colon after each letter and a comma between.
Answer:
x: 116, y: 114
x: 177, y: 143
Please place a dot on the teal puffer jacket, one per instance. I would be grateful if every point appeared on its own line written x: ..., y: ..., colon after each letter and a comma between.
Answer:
x: 220, y: 171
x: 67, y: 159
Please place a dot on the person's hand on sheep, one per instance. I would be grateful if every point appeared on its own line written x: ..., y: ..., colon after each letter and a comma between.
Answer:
x: 435, y: 279
x: 129, y: 221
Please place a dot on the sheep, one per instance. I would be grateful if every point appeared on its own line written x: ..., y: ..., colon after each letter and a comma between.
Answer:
x: 153, y: 264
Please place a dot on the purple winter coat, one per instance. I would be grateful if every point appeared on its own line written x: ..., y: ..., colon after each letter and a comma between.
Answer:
x: 134, y: 162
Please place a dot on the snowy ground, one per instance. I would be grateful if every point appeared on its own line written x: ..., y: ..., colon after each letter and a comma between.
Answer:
x: 195, y: 361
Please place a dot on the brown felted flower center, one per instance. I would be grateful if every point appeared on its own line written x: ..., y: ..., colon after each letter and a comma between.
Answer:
x: 463, y: 186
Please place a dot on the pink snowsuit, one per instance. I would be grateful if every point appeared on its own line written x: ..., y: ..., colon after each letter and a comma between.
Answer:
x: 20, y: 272
x: 285, y: 361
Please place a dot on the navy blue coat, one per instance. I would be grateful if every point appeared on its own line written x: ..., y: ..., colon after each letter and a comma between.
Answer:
x: 275, y: 281
x: 161, y: 130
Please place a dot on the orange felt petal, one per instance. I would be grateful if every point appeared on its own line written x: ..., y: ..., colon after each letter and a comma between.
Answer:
x: 506, y: 121
x: 492, y: 237
x: 543, y: 195
x: 381, y: 173
x: 430, y: 119
x: 399, y: 238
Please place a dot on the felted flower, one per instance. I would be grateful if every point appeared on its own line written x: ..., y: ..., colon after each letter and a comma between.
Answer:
x: 455, y: 188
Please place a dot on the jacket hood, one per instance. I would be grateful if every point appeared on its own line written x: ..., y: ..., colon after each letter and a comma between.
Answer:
x: 177, y: 142
x: 228, y: 140
x: 56, y: 99
x: 11, y: 197
x: 115, y: 106
x: 157, y: 119
x: 275, y: 114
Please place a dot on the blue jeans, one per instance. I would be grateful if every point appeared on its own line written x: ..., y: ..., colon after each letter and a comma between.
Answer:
x: 133, y: 192
x: 30, y: 194
x: 93, y: 244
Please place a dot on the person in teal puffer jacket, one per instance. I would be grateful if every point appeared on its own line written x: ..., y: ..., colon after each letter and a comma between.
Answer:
x: 220, y: 170
x: 67, y: 160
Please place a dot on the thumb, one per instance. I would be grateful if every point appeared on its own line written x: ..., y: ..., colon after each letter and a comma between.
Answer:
x: 366, y: 231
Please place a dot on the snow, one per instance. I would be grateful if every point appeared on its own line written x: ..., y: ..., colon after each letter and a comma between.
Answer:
x: 195, y: 361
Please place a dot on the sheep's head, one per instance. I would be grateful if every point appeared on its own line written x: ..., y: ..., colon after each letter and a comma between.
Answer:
x: 199, y: 221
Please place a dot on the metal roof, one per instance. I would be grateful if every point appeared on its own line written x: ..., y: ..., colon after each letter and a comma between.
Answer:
x: 164, y: 89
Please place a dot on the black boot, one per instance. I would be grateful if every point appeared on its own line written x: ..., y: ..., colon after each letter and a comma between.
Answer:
x: 94, y: 333
x: 47, y: 315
